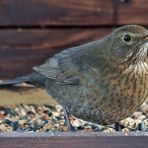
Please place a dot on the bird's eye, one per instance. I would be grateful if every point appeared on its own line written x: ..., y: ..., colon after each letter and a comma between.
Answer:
x: 127, y: 38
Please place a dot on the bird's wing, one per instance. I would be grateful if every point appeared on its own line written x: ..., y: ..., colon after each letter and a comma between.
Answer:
x: 63, y: 71
x: 55, y: 70
x: 66, y: 66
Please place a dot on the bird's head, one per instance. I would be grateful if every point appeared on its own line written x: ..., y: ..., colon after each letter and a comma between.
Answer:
x: 129, y: 44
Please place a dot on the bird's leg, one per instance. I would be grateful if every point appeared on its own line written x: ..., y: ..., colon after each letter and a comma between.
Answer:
x: 68, y: 123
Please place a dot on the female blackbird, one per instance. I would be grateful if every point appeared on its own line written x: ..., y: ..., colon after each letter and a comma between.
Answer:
x: 103, y: 81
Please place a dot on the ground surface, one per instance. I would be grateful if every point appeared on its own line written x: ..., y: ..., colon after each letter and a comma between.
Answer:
x: 31, y: 109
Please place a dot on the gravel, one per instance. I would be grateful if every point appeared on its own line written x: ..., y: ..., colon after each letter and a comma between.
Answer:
x: 44, y: 118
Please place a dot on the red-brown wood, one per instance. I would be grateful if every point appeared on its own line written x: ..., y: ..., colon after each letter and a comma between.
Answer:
x: 132, y: 12
x: 20, y: 50
x: 56, y: 12
x: 73, y: 140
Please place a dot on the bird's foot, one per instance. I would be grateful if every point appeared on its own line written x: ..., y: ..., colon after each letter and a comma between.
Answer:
x: 68, y: 123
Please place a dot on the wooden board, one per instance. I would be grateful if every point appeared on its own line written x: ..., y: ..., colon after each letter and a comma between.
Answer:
x: 20, y: 50
x: 73, y: 140
x: 25, y: 95
x: 55, y: 12
x: 132, y: 12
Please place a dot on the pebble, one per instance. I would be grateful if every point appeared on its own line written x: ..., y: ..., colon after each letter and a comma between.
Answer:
x: 43, y: 118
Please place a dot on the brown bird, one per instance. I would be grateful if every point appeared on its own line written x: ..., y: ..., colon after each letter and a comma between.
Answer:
x: 103, y: 81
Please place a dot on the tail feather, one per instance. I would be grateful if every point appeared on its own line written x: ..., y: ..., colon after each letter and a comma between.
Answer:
x: 15, y: 81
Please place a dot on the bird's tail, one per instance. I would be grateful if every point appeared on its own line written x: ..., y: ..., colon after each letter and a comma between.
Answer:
x: 17, y: 80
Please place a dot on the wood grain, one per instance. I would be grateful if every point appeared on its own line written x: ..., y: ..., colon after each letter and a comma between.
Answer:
x: 55, y: 12
x: 132, y: 12
x: 73, y: 140
x: 20, y: 50
x: 25, y: 95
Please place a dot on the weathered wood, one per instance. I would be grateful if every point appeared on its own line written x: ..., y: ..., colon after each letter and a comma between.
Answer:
x: 73, y: 140
x: 132, y: 12
x: 75, y: 13
x: 55, y: 12
x: 24, y: 95
x: 20, y: 50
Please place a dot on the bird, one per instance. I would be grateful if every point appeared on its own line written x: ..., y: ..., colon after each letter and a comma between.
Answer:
x: 103, y: 81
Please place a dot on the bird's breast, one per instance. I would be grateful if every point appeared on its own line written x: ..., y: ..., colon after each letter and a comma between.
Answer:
x: 129, y: 88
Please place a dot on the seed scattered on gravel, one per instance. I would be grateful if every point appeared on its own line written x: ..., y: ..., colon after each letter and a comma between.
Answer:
x: 43, y: 118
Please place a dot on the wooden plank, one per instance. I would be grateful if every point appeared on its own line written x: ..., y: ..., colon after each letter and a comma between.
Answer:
x: 20, y: 50
x: 73, y: 140
x: 25, y: 95
x: 132, y: 12
x: 55, y: 12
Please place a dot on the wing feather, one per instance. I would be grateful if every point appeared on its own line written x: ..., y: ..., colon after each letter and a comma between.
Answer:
x: 65, y: 66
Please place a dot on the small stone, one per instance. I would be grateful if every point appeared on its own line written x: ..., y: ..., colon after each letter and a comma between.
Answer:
x: 80, y: 127
x: 125, y: 130
x: 7, y: 121
x: 22, y: 112
x: 15, y: 125
x: 87, y: 128
x: 109, y: 130
x: 141, y: 127
x: 96, y: 127
x: 136, y: 123
x: 128, y: 122
x: 59, y: 108
x: 54, y: 120
x: 22, y: 122
x: 76, y: 123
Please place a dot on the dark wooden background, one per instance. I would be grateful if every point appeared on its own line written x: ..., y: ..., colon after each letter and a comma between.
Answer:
x: 33, y: 30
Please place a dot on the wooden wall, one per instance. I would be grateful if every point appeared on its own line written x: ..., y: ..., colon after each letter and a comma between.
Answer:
x: 33, y: 30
